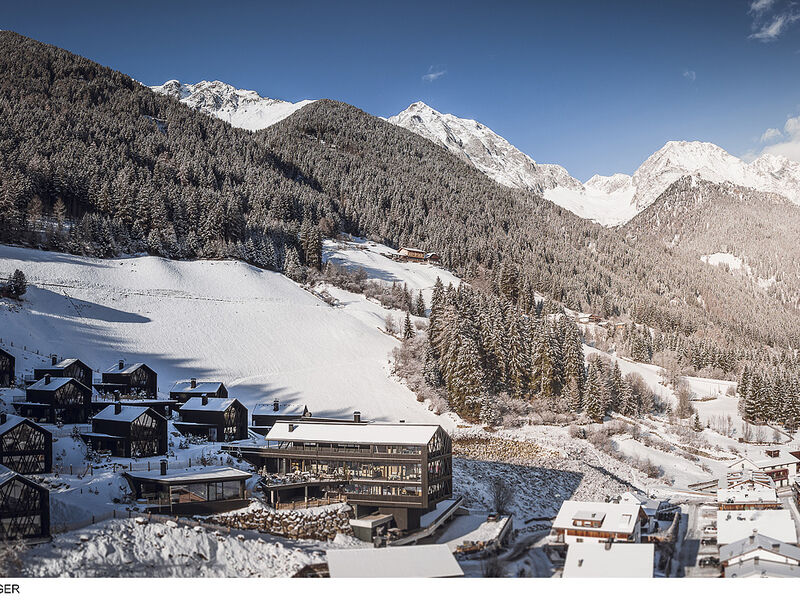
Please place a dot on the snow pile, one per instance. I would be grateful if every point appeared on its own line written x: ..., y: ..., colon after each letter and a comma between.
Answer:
x: 241, y: 108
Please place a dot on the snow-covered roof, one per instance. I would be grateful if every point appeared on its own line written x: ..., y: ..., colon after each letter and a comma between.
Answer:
x: 126, y: 369
x: 746, y: 478
x: 290, y: 409
x: 61, y: 365
x: 213, y: 404
x: 127, y: 413
x: 434, y: 560
x: 11, y: 422
x: 758, y: 542
x: 200, y: 388
x: 745, y: 495
x: 616, y: 517
x: 196, y: 475
x: 409, y: 249
x: 56, y: 383
x: 734, y: 525
x: 355, y: 433
x: 765, y: 462
x: 751, y: 568
x: 609, y: 560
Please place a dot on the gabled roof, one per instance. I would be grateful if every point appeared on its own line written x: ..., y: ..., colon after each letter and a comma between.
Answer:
x: 6, y: 352
x: 63, y: 364
x: 126, y: 369
x: 56, y: 383
x: 353, y: 433
x: 609, y: 560
x: 410, y: 249
x: 758, y: 542
x: 14, y: 420
x: 200, y: 388
x: 618, y: 517
x: 126, y: 414
x: 213, y: 405
x: 433, y: 560
x: 751, y: 568
x: 284, y: 410
x: 765, y: 462
x: 6, y: 474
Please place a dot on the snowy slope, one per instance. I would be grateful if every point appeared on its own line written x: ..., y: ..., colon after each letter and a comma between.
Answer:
x: 257, y: 331
x: 241, y: 108
x: 481, y: 147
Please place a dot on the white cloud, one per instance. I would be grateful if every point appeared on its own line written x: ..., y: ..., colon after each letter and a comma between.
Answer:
x: 790, y: 146
x: 759, y: 6
x: 690, y: 75
x: 772, y: 29
x: 771, y: 134
x: 434, y: 73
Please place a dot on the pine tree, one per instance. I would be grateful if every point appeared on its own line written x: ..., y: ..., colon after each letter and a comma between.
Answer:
x: 408, y: 328
x: 593, y: 402
x: 17, y: 285
x: 419, y: 306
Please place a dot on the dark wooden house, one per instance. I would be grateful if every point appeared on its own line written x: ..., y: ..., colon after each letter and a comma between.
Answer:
x: 217, y: 419
x: 136, y: 379
x: 25, y: 447
x: 267, y: 414
x: 7, y: 365
x: 24, y: 507
x: 206, y: 490
x: 128, y: 431
x: 69, y: 367
x: 183, y: 390
x: 56, y: 399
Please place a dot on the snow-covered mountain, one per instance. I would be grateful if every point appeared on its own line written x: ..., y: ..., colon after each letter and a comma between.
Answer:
x: 481, y: 147
x: 609, y: 200
x: 241, y: 108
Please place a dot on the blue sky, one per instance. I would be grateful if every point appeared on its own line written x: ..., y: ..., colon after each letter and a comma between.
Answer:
x: 594, y: 86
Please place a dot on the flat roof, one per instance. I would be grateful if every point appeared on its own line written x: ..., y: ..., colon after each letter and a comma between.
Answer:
x: 434, y: 560
x: 184, y: 476
x: 618, y: 517
x: 734, y: 525
x: 760, y: 494
x: 371, y: 520
x: 609, y: 560
x: 353, y: 433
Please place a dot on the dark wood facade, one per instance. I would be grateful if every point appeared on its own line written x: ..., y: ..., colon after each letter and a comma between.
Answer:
x: 24, y: 507
x: 7, y: 366
x: 56, y: 399
x: 221, y: 419
x: 128, y: 431
x: 183, y: 390
x: 267, y: 414
x: 25, y: 447
x: 129, y: 380
x: 69, y: 368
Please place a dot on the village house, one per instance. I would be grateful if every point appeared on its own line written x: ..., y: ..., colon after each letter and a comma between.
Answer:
x: 396, y: 469
x: 7, y: 366
x: 609, y: 560
x: 136, y: 379
x: 128, y: 431
x: 56, y: 399
x: 756, y: 552
x: 412, y: 254
x: 186, y: 388
x: 429, y: 560
x: 24, y: 507
x: 203, y: 490
x: 216, y: 419
x: 778, y: 463
x: 735, y: 525
x: 747, y: 490
x: 265, y: 415
x: 69, y: 367
x: 25, y: 447
x: 598, y: 522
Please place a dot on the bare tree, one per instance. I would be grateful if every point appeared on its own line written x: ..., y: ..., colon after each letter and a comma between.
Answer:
x: 492, y: 567
x: 501, y: 495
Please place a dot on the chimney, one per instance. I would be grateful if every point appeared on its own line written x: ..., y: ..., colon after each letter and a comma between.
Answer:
x: 275, y: 405
x: 193, y: 383
x: 356, y: 417
x: 292, y: 427
x: 116, y: 395
x: 607, y: 545
x: 117, y: 408
x: 121, y: 365
x: 776, y: 546
x: 54, y: 359
x: 47, y: 379
x: 3, y: 418
x: 204, y: 399
x: 163, y: 466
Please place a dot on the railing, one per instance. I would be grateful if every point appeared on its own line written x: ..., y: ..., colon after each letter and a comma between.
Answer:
x: 297, y: 504
x: 87, y: 468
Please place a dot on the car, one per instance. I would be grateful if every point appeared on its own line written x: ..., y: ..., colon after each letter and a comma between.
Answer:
x: 708, y: 541
x: 708, y: 561
x: 710, y: 530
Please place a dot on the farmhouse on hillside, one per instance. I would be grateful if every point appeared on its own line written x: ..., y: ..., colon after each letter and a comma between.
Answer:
x: 25, y: 447
x: 56, y: 399
x: 128, y: 431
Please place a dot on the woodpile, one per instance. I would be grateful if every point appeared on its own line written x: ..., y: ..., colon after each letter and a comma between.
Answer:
x: 497, y: 449
x: 292, y: 524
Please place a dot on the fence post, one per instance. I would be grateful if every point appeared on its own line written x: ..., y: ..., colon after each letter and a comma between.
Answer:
x: 92, y: 519
x: 70, y: 469
x: 190, y: 461
x: 148, y: 465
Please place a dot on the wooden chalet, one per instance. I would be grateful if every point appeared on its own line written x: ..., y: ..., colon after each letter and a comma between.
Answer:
x: 69, y: 367
x: 217, y: 419
x: 777, y: 462
x: 599, y: 522
x: 185, y: 389
x: 206, y: 490
x: 412, y: 254
x: 136, y: 379
x: 128, y: 431
x: 24, y: 507
x: 25, y: 447
x: 56, y: 399
x: 7, y: 362
x: 267, y: 414
x: 747, y: 490
x: 433, y: 258
x: 396, y: 469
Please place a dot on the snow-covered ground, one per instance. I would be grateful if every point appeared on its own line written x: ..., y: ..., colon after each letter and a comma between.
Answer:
x: 257, y: 331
